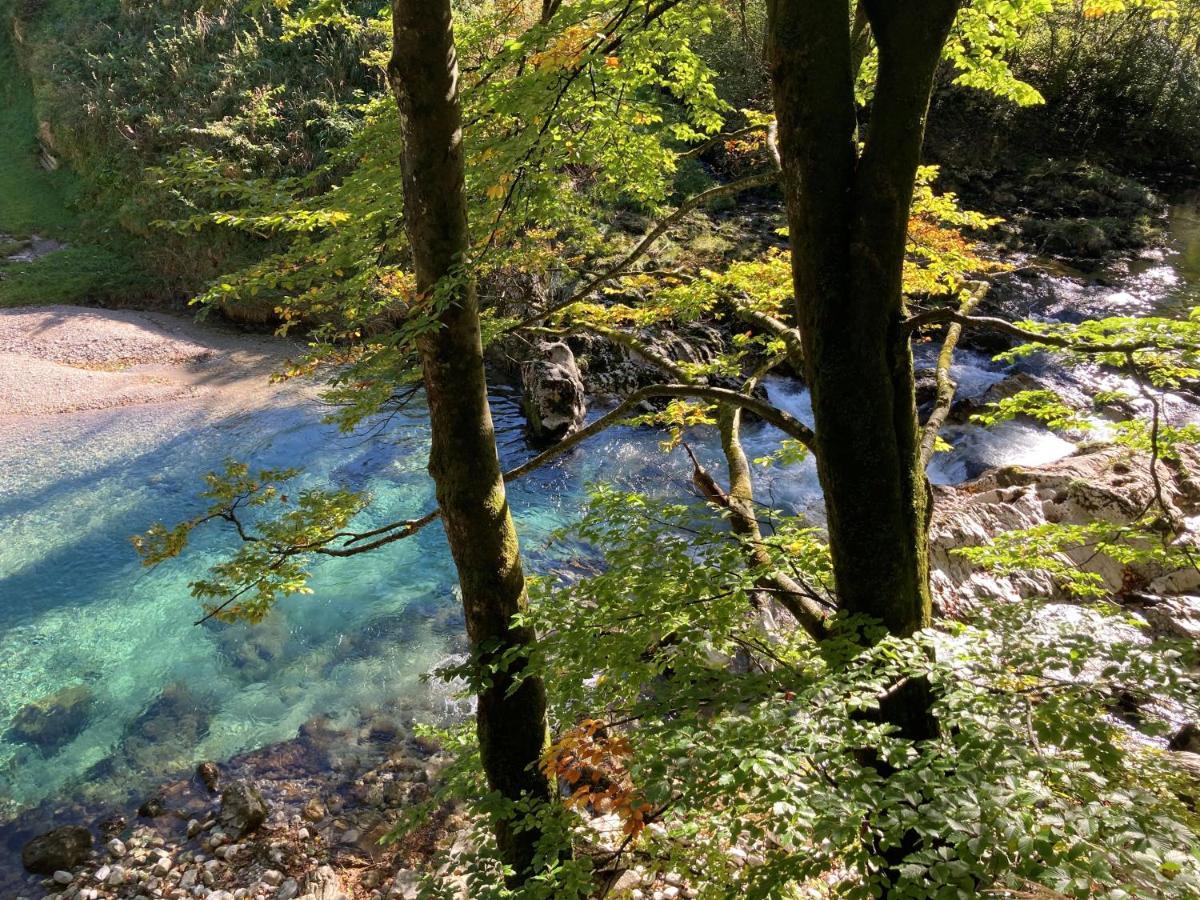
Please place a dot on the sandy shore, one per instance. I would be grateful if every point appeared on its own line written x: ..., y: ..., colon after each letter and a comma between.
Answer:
x: 59, y: 359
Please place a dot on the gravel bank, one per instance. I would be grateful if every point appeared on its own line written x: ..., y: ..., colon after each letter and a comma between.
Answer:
x: 61, y: 359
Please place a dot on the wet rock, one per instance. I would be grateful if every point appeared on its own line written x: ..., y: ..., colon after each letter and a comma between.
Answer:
x: 53, y: 721
x: 112, y: 825
x: 242, y: 808
x: 152, y: 807
x: 60, y: 849
x: 209, y: 775
x: 553, y: 393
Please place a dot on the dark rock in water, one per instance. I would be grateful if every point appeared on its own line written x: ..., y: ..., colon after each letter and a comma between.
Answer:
x: 255, y: 651
x: 242, y: 808
x: 167, y: 731
x: 113, y: 825
x: 926, y: 386
x: 553, y: 393
x: 1187, y: 739
x: 54, y: 720
x: 152, y: 808
x: 209, y: 775
x: 62, y: 848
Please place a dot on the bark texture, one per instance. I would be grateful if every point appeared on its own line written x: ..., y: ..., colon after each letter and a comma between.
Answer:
x: 848, y: 217
x: 463, y: 459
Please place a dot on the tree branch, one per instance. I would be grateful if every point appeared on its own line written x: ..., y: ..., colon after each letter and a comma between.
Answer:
x: 1003, y: 326
x: 945, y: 384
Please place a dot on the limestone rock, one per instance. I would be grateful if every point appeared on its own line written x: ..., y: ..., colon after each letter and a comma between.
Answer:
x: 324, y: 884
x: 553, y: 392
x: 1103, y: 485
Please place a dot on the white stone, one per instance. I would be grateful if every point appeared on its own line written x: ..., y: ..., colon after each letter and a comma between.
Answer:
x: 63, y: 877
x: 117, y: 848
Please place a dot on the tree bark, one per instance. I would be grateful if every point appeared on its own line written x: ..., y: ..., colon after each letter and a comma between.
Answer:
x: 848, y: 217
x: 511, y: 718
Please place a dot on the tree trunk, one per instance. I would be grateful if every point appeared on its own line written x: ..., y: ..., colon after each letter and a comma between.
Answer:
x: 463, y: 459
x: 848, y: 215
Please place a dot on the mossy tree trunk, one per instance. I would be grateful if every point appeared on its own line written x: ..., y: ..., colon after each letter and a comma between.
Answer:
x: 463, y: 459
x: 848, y: 216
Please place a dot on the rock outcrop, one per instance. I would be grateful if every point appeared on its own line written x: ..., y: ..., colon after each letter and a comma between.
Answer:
x: 1103, y: 485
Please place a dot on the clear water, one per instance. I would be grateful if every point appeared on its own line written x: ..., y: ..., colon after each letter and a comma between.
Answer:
x: 77, y: 608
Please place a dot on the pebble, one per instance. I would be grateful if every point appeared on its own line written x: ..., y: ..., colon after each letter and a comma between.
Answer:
x: 117, y: 848
x: 288, y: 890
x: 102, y: 873
x: 63, y: 877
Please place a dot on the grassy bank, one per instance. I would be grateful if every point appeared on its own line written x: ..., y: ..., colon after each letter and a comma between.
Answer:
x: 36, y: 201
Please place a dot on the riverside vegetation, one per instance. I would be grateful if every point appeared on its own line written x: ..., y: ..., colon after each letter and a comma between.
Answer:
x: 650, y: 216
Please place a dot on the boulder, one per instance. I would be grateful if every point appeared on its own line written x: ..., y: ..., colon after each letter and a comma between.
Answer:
x: 553, y: 392
x: 57, y: 850
x: 242, y: 808
x: 54, y: 720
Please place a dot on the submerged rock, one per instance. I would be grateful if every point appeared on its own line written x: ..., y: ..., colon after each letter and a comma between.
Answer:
x: 60, y: 849
x: 54, y: 720
x: 553, y: 392
x: 167, y: 731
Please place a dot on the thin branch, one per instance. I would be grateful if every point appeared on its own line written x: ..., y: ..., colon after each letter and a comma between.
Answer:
x: 701, y: 149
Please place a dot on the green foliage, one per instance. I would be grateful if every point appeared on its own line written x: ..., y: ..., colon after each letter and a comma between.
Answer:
x: 279, y: 535
x: 732, y: 736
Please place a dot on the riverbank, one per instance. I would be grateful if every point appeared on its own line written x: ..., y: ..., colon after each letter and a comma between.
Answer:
x: 62, y: 359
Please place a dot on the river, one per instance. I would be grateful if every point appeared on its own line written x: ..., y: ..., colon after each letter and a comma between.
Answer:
x: 76, y: 607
